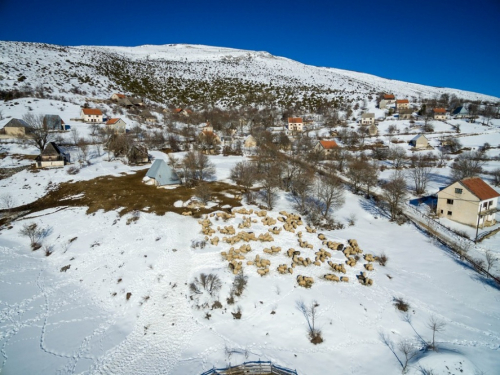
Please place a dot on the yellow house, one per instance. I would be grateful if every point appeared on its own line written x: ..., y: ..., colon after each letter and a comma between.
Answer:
x: 295, y: 124
x: 470, y: 201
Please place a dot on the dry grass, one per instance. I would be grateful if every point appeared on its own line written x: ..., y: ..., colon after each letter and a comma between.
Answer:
x: 127, y: 193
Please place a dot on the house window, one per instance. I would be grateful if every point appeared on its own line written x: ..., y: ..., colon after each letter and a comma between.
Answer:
x: 449, y: 201
x: 485, y: 204
x: 442, y: 211
x: 449, y: 213
x: 458, y: 191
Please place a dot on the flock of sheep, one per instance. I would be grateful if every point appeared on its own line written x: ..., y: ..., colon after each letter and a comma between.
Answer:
x: 237, y: 256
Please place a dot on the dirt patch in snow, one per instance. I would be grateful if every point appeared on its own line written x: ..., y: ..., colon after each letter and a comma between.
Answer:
x: 127, y: 193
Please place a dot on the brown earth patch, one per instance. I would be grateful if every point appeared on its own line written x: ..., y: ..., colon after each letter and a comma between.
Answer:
x: 127, y: 193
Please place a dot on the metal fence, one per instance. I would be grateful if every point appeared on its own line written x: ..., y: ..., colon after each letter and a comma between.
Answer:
x: 252, y: 368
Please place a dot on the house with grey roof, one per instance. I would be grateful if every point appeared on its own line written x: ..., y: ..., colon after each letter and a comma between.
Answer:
x: 419, y: 141
x: 16, y: 128
x: 52, y: 156
x: 161, y: 174
x: 53, y: 122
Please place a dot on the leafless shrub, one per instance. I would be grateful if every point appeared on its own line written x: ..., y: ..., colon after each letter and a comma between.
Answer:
x: 237, y: 313
x: 73, y: 170
x: 128, y: 295
x: 382, y: 259
x: 34, y: 233
x: 239, y: 284
x: 401, y: 304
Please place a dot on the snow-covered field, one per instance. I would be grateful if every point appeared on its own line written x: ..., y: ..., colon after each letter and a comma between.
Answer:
x: 110, y: 294
x: 80, y: 321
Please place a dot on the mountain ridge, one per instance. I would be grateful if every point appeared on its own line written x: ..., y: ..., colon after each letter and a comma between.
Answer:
x: 186, y: 74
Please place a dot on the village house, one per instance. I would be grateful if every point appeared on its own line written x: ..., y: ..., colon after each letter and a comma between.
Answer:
x: 402, y: 104
x: 53, y: 122
x: 52, y: 156
x: 117, y: 97
x: 405, y: 114
x: 470, y: 201
x: 182, y: 111
x: 161, y: 174
x: 136, y: 102
x: 460, y: 112
x: 419, y: 141
x: 326, y: 147
x: 368, y: 119
x: 250, y: 142
x: 439, y: 113
x: 16, y: 128
x: 388, y: 100
x: 295, y: 124
x: 91, y: 115
x: 148, y: 116
x: 117, y: 125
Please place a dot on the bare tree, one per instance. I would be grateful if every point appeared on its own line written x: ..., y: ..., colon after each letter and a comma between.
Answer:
x: 421, y: 171
x: 452, y: 144
x: 409, y: 352
x: 311, y: 315
x: 394, y: 192
x: 302, y: 187
x: 436, y: 325
x: 75, y: 135
x: 197, y: 166
x: 491, y: 260
x: 467, y: 164
x: 270, y: 179
x: 38, y: 135
x: 203, y: 192
x: 84, y: 149
x: 397, y: 155
x: 329, y: 193
x: 243, y: 173
x: 7, y: 201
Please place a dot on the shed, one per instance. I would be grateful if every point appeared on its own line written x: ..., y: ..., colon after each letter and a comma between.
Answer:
x: 161, y: 174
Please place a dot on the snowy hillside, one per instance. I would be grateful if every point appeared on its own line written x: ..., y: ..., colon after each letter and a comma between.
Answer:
x: 192, y: 75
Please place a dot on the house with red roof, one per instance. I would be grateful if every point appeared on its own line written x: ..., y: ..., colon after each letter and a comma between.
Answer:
x: 439, y: 113
x: 117, y: 97
x: 402, y: 104
x: 470, y: 201
x: 91, y: 115
x: 117, y: 125
x: 388, y: 100
x: 326, y: 147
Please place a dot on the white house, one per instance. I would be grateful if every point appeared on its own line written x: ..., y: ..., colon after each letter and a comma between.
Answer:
x: 91, y: 115
x: 439, y: 113
x: 419, y: 141
x: 470, y: 201
x: 117, y: 124
x: 388, y: 100
x: 368, y: 119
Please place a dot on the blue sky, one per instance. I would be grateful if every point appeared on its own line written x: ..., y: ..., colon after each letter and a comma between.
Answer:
x: 438, y: 43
